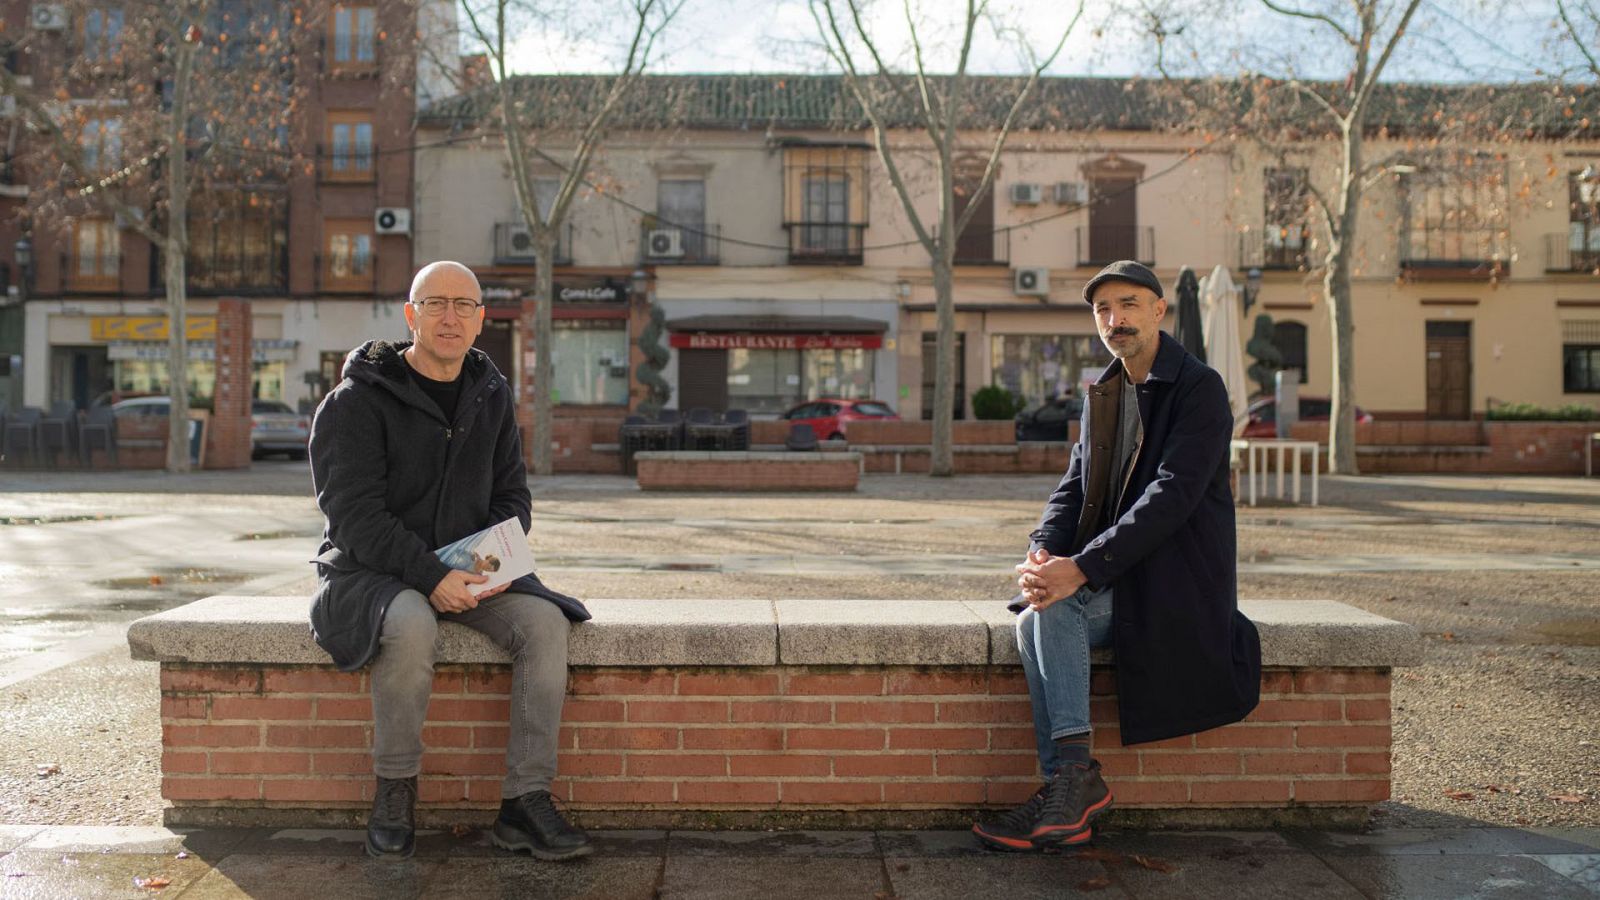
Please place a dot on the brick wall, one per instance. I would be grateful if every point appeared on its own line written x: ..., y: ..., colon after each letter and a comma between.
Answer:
x: 1485, y: 448
x: 737, y: 471
x: 763, y: 738
x: 228, y: 441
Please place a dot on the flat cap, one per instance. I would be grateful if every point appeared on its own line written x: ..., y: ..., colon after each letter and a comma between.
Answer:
x: 1123, y: 270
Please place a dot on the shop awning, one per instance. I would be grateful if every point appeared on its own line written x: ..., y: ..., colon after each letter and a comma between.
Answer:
x: 265, y: 350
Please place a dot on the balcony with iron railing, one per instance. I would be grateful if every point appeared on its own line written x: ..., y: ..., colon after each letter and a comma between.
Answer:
x: 1454, y: 254
x: 1099, y: 245
x: 1278, y: 248
x: 1577, y: 251
x: 664, y: 244
x: 826, y: 243
x: 256, y: 272
x: 514, y: 246
x: 981, y: 245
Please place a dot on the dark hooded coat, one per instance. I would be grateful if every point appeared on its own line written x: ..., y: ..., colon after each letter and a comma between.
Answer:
x: 1186, y: 658
x: 395, y: 481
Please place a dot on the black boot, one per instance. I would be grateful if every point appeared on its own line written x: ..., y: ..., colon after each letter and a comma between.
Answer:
x: 1077, y: 796
x: 532, y: 823
x: 391, y: 829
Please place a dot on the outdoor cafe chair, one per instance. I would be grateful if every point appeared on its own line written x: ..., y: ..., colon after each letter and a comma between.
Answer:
x: 98, y: 430
x: 801, y: 437
x: 58, y: 431
x: 20, y: 441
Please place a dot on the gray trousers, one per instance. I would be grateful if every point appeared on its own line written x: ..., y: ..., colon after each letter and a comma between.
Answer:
x: 533, y: 630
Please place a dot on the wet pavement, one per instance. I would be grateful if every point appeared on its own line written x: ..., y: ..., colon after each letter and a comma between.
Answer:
x: 927, y: 865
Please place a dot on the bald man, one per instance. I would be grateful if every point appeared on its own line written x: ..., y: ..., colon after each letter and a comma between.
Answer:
x: 416, y: 448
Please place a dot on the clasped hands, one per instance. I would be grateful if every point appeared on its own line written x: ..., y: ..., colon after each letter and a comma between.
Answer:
x: 1044, y: 579
x: 452, y: 596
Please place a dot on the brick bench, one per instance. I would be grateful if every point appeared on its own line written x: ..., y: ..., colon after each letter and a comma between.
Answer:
x: 746, y: 470
x: 753, y: 712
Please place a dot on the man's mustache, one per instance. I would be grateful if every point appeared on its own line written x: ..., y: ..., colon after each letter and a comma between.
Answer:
x: 1123, y: 331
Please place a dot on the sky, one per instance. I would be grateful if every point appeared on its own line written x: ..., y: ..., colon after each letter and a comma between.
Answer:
x: 1450, y: 40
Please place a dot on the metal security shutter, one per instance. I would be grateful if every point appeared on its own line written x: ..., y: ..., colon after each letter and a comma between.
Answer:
x: 703, y: 379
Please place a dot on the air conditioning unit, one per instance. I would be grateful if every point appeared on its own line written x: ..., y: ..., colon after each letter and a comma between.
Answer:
x: 518, y: 242
x: 392, y: 220
x: 664, y: 243
x: 1027, y: 194
x: 48, y: 17
x: 1072, y: 193
x: 1030, y: 282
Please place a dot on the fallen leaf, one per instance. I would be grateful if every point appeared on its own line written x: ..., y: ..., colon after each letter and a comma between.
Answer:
x: 1447, y: 636
x: 183, y: 854
x: 1567, y: 798
x: 1151, y: 863
x: 1097, y: 883
x: 45, y: 770
x: 1459, y: 795
x: 154, y: 883
x: 460, y: 829
x: 1522, y: 820
x: 1496, y: 788
x: 155, y: 580
x: 902, y: 867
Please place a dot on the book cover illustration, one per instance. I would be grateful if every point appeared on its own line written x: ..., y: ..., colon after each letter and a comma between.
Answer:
x: 500, y: 552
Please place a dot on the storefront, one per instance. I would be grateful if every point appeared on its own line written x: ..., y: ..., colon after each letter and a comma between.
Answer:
x: 590, y: 357
x: 766, y: 364
x: 1038, y: 354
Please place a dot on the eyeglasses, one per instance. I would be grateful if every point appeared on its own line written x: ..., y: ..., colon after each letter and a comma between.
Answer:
x: 434, y: 306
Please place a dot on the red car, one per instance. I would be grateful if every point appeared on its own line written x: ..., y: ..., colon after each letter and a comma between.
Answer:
x: 827, y: 416
x: 1264, y: 415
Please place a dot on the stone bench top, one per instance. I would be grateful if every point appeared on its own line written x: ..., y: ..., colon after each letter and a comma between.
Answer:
x: 275, y: 630
x: 784, y: 456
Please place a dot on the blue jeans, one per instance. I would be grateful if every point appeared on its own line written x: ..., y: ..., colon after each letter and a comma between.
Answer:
x: 1055, y: 648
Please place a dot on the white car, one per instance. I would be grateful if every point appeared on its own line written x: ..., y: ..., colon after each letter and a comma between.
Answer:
x: 274, y: 427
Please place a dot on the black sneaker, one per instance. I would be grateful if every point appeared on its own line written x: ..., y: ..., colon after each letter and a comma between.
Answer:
x: 1073, y: 799
x: 391, y: 829
x: 1014, y: 830
x: 532, y: 823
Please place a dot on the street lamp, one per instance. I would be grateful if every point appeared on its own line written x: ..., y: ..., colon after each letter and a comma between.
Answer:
x: 1252, y: 288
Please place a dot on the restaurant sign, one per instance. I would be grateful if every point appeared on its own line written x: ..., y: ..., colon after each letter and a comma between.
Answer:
x: 690, y: 341
x: 148, y: 328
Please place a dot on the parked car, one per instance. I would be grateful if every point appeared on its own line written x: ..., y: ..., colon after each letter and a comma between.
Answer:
x: 152, y: 406
x: 275, y: 428
x: 1264, y: 415
x: 1049, y: 421
x: 829, y: 416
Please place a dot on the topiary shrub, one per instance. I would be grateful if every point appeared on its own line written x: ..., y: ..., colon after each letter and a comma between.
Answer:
x: 995, y: 402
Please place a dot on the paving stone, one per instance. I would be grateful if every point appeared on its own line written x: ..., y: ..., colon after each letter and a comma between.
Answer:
x: 931, y: 844
x: 211, y: 843
x: 1435, y: 841
x: 771, y: 878
x: 607, y: 844
x: 266, y: 877
x: 1453, y: 875
x: 14, y: 836
x: 1242, y: 874
x: 772, y: 843
x: 1012, y: 876
x: 48, y: 875
x: 1583, y: 868
x: 591, y: 878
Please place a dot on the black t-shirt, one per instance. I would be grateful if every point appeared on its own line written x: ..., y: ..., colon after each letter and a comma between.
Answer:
x: 445, y: 394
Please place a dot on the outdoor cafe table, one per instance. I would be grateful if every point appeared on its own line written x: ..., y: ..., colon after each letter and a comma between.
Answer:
x: 1252, y: 448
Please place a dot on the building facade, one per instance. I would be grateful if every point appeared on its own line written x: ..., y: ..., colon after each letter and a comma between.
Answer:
x: 320, y: 247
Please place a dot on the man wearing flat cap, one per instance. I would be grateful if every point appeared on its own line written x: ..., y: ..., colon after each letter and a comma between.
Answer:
x: 1135, y: 551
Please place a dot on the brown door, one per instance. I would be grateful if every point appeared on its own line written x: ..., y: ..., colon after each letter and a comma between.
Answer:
x: 1113, y: 220
x: 495, y: 340
x: 1449, y: 370
x: 976, y: 243
x: 930, y: 372
x: 703, y: 379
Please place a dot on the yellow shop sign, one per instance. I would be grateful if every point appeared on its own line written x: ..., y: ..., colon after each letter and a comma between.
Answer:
x: 148, y: 328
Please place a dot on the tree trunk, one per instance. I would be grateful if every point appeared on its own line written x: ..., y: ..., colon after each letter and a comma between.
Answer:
x: 944, y: 392
x: 543, y: 338
x: 176, y: 248
x: 1336, y: 289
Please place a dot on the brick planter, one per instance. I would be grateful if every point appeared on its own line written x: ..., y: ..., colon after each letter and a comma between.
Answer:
x: 748, y: 713
x: 741, y: 470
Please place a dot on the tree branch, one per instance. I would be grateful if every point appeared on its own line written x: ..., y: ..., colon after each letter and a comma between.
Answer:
x: 1311, y: 16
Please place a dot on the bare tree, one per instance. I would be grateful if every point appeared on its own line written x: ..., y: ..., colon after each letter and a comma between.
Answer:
x: 1580, y: 23
x: 201, y: 92
x: 1274, y: 111
x: 526, y: 123
x: 939, y: 107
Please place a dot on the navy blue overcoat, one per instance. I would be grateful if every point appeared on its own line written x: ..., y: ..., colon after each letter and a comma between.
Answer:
x: 1186, y: 658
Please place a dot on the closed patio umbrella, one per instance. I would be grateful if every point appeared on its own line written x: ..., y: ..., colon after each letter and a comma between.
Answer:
x: 1189, y: 331
x: 1224, y: 349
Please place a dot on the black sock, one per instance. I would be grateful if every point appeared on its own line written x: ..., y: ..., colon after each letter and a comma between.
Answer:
x: 1073, y: 749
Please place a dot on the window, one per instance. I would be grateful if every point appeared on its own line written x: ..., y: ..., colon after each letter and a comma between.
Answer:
x: 102, y: 144
x: 1580, y: 357
x: 1284, y: 230
x: 348, y: 261
x: 589, y: 361
x: 1456, y: 214
x: 349, y: 146
x: 1290, y: 339
x: 681, y: 204
x: 1040, y: 368
x: 96, y: 255
x: 825, y: 205
x: 238, y: 240
x: 1583, y: 223
x: 766, y: 381
x: 102, y: 33
x: 976, y: 243
x: 355, y: 37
